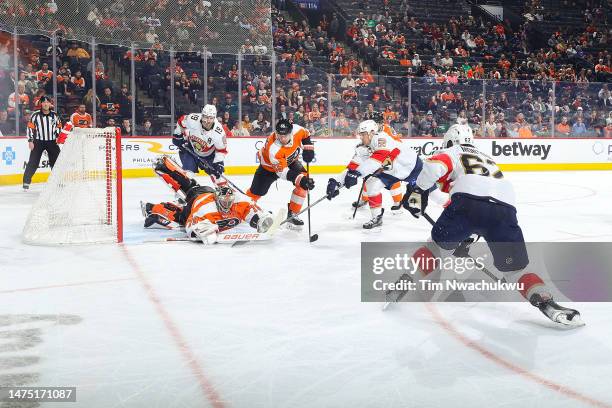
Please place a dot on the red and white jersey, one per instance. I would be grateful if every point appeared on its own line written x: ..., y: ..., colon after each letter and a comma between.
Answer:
x: 465, y: 169
x: 204, y: 142
x: 397, y: 159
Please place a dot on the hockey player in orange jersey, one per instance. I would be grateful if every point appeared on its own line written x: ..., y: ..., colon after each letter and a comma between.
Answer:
x: 202, y: 210
x: 279, y: 158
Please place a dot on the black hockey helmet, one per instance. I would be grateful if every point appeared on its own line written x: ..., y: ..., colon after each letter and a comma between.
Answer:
x: 283, y: 127
x: 377, y: 117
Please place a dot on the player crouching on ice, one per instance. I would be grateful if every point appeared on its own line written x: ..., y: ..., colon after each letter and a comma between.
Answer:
x: 385, y: 159
x: 362, y: 153
x: 483, y: 203
x: 280, y: 158
x: 206, y: 211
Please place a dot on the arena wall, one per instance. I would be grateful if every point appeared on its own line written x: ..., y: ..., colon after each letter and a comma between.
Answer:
x: 333, y: 154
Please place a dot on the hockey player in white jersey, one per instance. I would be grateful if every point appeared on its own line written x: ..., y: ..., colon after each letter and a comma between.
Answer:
x: 362, y: 153
x: 202, y: 143
x: 483, y: 203
x: 386, y: 159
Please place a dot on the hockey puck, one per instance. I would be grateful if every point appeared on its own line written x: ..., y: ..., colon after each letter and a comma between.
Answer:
x: 314, y: 237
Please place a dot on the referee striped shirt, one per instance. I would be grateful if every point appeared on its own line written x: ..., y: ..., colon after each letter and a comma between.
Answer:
x: 44, y: 127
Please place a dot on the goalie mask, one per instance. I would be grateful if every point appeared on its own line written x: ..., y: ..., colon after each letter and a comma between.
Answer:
x: 224, y: 197
x: 458, y: 135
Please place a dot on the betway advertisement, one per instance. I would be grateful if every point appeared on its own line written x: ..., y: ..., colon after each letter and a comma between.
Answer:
x: 331, y: 154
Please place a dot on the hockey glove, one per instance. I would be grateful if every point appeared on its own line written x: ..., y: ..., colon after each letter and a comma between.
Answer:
x: 262, y: 222
x: 415, y: 200
x: 351, y: 178
x: 308, y: 154
x: 203, y: 231
x: 216, y: 169
x: 333, y: 188
x: 305, y: 182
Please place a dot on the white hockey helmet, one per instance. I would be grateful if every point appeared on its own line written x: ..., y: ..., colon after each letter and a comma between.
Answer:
x: 209, y: 111
x: 458, y: 135
x: 367, y: 126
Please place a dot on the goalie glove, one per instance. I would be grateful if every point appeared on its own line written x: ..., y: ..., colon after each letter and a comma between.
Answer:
x: 415, y: 200
x: 262, y: 222
x: 204, y: 231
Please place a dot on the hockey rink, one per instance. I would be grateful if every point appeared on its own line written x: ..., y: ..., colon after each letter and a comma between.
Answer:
x: 280, y: 323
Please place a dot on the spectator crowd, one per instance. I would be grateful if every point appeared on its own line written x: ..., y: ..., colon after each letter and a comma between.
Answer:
x: 422, y: 75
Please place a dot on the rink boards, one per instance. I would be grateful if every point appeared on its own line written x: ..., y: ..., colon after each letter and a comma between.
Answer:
x: 332, y: 154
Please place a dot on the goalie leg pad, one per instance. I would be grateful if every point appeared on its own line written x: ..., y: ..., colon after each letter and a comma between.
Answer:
x: 173, y: 175
x: 166, y: 215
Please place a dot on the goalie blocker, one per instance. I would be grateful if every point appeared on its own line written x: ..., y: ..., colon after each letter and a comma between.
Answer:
x: 203, y: 211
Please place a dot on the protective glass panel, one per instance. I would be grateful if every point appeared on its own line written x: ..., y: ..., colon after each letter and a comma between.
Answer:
x: 256, y: 95
x: 223, y: 91
x: 7, y: 90
x: 188, y: 25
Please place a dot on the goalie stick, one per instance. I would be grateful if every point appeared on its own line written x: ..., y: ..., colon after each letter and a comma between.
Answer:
x: 229, y: 237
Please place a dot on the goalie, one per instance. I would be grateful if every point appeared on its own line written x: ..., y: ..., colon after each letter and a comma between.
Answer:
x: 206, y: 210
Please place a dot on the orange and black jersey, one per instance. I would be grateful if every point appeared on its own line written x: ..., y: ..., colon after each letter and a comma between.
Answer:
x: 276, y: 157
x: 205, y: 208
x: 81, y: 121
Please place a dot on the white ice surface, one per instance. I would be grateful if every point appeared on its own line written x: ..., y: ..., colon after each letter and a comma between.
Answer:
x: 280, y: 323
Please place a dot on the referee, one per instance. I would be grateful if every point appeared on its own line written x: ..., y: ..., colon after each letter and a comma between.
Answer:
x: 43, y: 129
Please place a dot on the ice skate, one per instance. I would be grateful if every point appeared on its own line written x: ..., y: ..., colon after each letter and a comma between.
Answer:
x: 555, y: 312
x: 375, y: 221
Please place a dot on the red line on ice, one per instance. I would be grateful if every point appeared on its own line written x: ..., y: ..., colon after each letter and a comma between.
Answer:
x: 206, y: 386
x: 562, y: 389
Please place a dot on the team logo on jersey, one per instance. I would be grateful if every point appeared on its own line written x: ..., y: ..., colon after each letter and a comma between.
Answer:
x: 382, y: 142
x: 293, y: 156
x: 227, y: 223
x: 198, y: 144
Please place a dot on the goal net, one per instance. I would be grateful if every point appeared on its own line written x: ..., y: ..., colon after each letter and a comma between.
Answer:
x: 81, y: 201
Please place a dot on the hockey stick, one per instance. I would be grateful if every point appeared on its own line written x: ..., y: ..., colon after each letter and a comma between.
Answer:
x: 462, y: 251
x: 207, y: 168
x: 311, y: 238
x: 229, y: 237
x: 304, y: 209
x: 360, y: 194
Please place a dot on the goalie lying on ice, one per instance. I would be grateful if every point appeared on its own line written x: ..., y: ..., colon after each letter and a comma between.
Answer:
x: 203, y: 211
